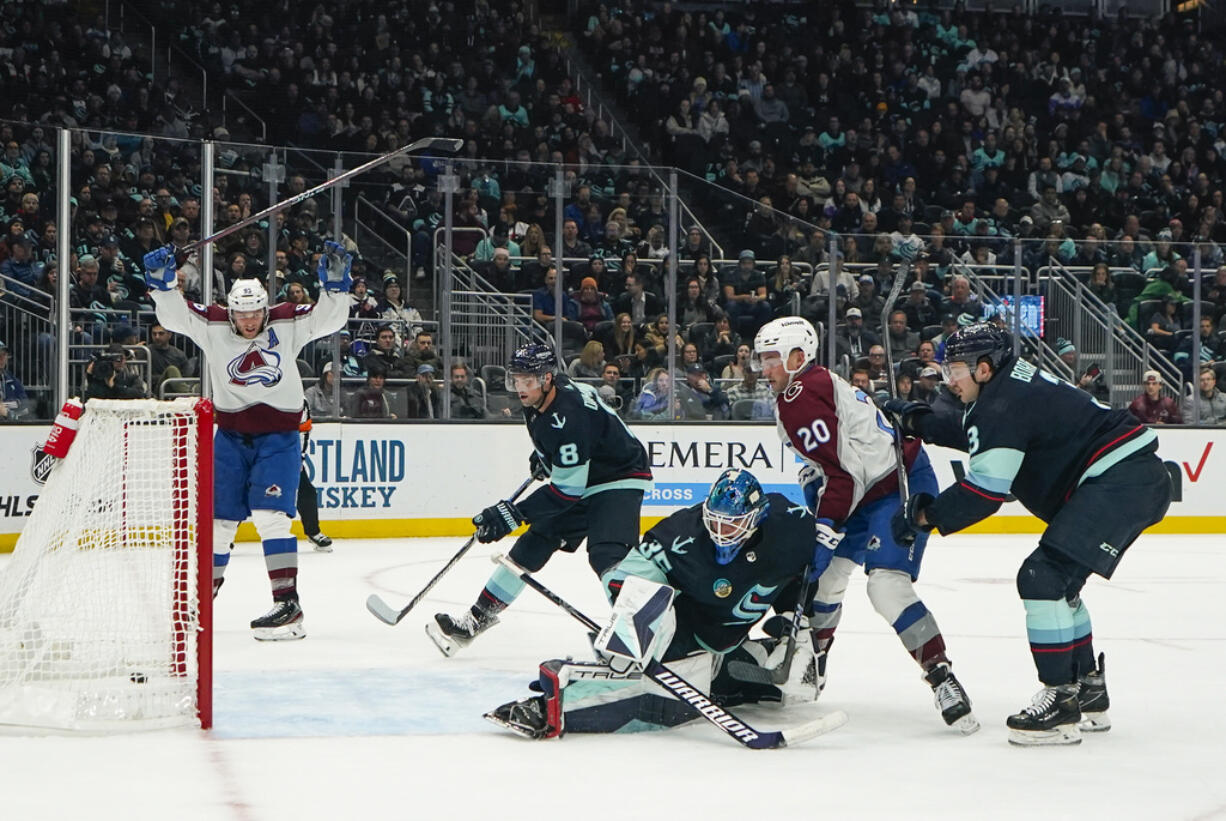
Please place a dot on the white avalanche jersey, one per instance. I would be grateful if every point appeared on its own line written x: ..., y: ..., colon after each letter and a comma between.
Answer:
x: 256, y: 386
x: 838, y: 430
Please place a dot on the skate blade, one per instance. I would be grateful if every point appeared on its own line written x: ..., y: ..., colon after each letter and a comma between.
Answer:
x: 445, y: 644
x: 519, y: 730
x: 966, y: 725
x: 1095, y: 722
x: 286, y: 632
x: 323, y: 548
x: 1064, y: 734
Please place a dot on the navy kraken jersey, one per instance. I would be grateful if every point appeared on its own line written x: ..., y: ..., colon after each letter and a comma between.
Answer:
x: 1037, y: 437
x: 587, y: 448
x: 721, y: 602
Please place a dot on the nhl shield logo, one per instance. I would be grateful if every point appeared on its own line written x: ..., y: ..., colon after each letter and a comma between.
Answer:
x: 41, y: 465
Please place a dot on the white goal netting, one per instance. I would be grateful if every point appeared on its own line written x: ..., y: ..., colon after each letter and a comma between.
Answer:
x: 100, y: 624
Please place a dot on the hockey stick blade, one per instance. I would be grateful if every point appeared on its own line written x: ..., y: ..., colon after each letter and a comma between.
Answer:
x: 387, y: 614
x: 812, y: 729
x: 383, y: 611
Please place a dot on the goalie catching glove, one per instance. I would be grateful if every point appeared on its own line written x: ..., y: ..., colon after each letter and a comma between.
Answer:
x: 334, y: 266
x: 160, y: 268
x: 497, y: 521
x: 640, y: 628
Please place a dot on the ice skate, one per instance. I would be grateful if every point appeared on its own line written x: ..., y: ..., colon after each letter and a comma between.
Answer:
x: 525, y: 717
x: 282, y: 623
x: 1093, y: 701
x: 1051, y: 718
x: 951, y: 699
x: 322, y: 543
x: 450, y: 634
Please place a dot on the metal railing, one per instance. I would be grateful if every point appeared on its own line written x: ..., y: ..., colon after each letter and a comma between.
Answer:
x: 375, y: 244
x: 1098, y: 333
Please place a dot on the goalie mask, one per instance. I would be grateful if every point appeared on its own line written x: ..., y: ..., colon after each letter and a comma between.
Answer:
x: 732, y: 511
x: 247, y: 300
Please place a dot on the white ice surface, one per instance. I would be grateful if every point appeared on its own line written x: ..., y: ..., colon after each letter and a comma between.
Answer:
x: 363, y: 720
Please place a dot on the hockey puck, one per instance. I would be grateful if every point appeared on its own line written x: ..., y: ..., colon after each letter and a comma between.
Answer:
x: 138, y: 678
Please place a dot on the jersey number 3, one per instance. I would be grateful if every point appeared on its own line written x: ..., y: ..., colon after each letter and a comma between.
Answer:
x: 814, y: 435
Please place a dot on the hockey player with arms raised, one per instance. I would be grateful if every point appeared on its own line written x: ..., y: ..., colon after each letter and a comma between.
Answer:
x: 850, y: 484
x: 257, y: 392
x: 687, y: 595
x: 1090, y: 472
x: 597, y: 472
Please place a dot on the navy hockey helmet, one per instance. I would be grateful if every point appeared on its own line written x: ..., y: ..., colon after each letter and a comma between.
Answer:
x: 732, y: 511
x: 533, y: 358
x: 983, y: 340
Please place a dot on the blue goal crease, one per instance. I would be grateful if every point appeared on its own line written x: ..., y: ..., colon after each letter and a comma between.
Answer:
x: 375, y: 702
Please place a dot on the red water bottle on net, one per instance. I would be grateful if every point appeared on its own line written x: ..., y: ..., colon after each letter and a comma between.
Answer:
x: 64, y: 430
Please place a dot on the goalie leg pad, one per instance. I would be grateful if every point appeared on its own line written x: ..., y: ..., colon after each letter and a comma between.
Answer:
x: 590, y: 697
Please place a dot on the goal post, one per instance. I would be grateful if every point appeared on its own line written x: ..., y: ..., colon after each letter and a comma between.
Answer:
x: 106, y: 603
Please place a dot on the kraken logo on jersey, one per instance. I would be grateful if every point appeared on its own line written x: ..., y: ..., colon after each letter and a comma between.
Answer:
x: 256, y: 366
x: 752, y: 605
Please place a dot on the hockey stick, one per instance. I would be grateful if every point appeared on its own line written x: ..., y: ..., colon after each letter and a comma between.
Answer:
x: 904, y: 483
x: 448, y: 144
x: 387, y: 614
x: 685, y: 692
x: 752, y: 673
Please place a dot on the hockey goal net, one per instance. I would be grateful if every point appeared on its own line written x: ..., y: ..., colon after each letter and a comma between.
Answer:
x: 106, y: 604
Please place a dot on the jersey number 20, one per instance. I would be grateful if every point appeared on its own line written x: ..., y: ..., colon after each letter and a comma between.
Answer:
x: 814, y: 435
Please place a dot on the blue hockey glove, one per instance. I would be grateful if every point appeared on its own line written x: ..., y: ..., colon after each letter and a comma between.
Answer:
x: 812, y: 480
x: 160, y: 268
x: 904, y: 524
x: 537, y: 467
x: 827, y: 540
x: 334, y: 268
x: 905, y: 411
x: 497, y: 521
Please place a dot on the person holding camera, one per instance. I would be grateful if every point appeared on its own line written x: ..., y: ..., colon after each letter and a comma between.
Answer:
x: 106, y: 377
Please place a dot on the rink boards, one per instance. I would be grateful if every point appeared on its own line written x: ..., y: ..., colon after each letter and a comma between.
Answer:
x: 427, y: 479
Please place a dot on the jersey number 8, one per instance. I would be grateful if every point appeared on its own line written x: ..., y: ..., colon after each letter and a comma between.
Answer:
x: 814, y: 435
x: 568, y: 454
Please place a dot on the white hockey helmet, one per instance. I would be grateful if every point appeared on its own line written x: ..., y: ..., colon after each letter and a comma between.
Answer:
x: 782, y: 336
x: 246, y: 296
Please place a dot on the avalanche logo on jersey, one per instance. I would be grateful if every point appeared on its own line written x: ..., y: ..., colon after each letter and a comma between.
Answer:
x: 257, y: 366
x: 792, y: 391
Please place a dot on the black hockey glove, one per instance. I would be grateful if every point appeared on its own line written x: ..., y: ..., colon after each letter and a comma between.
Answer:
x: 537, y: 467
x: 905, y: 411
x: 903, y: 524
x: 497, y: 521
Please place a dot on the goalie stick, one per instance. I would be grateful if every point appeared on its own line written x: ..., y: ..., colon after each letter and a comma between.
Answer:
x: 387, y: 614
x: 449, y: 144
x: 681, y: 690
x: 752, y: 673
